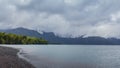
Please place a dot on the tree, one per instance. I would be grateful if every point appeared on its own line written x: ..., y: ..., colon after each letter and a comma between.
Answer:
x: 19, y: 39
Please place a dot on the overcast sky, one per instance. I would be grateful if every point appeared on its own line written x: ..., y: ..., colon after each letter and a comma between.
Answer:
x: 68, y: 18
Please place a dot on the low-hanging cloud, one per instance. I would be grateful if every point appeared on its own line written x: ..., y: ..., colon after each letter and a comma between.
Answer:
x: 67, y: 18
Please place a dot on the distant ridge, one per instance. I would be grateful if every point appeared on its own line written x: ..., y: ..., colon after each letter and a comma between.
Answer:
x: 53, y: 39
x: 22, y: 31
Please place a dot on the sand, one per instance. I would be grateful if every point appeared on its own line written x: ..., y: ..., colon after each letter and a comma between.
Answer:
x: 9, y: 59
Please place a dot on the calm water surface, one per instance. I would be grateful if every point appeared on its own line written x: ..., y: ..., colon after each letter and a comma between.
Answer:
x: 72, y: 56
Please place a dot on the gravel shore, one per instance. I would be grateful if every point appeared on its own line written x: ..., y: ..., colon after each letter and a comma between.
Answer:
x: 9, y: 59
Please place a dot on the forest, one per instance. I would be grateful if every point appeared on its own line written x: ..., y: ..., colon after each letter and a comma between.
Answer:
x: 9, y: 38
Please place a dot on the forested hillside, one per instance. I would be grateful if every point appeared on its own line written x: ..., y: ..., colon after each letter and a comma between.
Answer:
x: 8, y: 38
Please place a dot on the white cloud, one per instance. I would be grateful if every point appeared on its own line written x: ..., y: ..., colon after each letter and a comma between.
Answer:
x: 71, y: 2
x: 71, y: 18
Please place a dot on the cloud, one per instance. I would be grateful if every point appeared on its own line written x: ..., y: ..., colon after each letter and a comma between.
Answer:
x: 67, y: 18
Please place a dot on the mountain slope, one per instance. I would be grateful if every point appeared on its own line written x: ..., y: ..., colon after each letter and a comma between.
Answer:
x: 60, y: 40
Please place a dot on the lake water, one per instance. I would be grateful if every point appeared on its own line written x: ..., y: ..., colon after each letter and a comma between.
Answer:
x: 72, y: 56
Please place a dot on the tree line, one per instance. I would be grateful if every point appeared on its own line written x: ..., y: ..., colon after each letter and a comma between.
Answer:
x: 6, y: 38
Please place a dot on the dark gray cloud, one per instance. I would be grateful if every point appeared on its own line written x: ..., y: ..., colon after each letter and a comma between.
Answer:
x: 63, y: 17
x: 49, y: 6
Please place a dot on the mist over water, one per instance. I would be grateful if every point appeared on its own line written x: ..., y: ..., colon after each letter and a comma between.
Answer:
x: 72, y: 56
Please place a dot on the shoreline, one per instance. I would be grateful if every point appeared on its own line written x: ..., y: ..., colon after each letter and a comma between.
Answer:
x: 10, y: 58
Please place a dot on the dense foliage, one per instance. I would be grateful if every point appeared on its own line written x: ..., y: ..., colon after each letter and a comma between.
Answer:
x: 19, y: 39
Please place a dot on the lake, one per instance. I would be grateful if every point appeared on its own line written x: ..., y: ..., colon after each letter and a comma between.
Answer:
x: 72, y: 56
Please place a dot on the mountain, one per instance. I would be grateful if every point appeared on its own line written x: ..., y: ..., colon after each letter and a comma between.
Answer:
x: 53, y: 39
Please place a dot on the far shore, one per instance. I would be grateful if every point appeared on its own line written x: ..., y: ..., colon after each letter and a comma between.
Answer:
x: 10, y: 59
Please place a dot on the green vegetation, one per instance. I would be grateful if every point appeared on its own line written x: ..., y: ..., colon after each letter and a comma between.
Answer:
x: 19, y: 39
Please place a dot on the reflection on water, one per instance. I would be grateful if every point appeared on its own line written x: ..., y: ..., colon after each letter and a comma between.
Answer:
x: 72, y: 56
